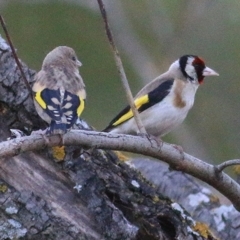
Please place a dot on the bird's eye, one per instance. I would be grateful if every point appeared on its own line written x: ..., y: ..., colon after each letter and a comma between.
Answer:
x: 196, y: 64
x: 74, y: 58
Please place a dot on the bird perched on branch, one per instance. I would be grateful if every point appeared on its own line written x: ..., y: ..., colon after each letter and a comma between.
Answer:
x: 164, y: 103
x: 59, y: 91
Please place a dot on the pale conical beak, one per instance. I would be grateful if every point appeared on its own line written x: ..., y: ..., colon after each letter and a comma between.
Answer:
x: 79, y: 63
x: 209, y: 72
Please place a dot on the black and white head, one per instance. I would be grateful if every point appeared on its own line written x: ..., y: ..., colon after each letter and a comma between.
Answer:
x: 192, y: 68
x: 62, y: 55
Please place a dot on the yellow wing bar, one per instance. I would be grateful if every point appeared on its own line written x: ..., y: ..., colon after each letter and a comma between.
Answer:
x: 138, y: 103
x: 81, y: 106
x: 39, y: 100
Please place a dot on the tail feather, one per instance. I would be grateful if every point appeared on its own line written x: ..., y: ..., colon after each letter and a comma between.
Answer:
x: 107, y: 129
x: 57, y: 128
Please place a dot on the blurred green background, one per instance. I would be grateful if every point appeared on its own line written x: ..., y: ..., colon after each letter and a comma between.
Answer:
x: 150, y: 35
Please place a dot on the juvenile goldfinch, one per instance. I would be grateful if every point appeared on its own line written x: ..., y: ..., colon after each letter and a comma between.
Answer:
x: 59, y: 91
x: 164, y: 103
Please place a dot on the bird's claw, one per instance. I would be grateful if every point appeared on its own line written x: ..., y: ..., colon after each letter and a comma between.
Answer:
x: 151, y: 138
x: 179, y: 148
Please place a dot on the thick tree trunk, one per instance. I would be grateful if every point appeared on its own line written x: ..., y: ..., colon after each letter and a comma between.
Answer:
x: 91, y: 195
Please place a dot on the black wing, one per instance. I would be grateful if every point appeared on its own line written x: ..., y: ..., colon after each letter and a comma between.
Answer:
x: 150, y: 99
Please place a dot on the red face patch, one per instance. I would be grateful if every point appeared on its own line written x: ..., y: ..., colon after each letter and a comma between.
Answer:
x: 198, y: 61
x: 199, y: 66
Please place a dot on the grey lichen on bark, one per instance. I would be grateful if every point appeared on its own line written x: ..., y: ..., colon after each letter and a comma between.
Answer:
x: 16, y: 106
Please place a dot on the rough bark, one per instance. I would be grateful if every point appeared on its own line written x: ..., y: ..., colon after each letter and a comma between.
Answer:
x: 92, y: 195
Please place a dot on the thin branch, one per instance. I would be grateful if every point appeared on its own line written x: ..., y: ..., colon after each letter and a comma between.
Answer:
x: 178, y: 160
x: 121, y: 69
x: 220, y: 167
x: 15, y: 54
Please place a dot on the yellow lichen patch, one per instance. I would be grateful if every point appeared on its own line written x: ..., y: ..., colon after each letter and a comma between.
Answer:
x: 3, y: 188
x: 236, y: 169
x: 58, y: 153
x: 155, y: 199
x: 121, y: 156
x: 203, y: 230
x: 214, y: 198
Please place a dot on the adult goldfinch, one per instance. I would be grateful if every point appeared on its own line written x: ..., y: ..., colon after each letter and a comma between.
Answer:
x: 164, y: 103
x: 59, y: 91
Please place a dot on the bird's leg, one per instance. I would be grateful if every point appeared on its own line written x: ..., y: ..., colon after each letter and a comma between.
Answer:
x: 151, y: 138
x: 157, y: 140
x: 180, y: 149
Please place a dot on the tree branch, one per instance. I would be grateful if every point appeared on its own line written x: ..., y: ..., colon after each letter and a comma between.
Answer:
x: 121, y: 69
x: 219, y: 168
x: 179, y: 161
x: 15, y: 54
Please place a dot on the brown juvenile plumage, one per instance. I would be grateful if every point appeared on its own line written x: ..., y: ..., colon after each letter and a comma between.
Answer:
x: 59, y: 91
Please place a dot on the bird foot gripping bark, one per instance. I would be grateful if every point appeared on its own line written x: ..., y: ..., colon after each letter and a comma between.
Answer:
x: 179, y: 149
x: 152, y: 139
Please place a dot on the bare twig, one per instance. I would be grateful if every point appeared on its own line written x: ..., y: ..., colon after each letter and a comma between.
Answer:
x: 219, y: 168
x: 178, y: 160
x: 15, y: 54
x: 121, y: 69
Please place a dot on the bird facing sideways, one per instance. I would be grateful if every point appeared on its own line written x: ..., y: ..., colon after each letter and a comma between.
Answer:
x: 164, y: 103
x: 59, y: 90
